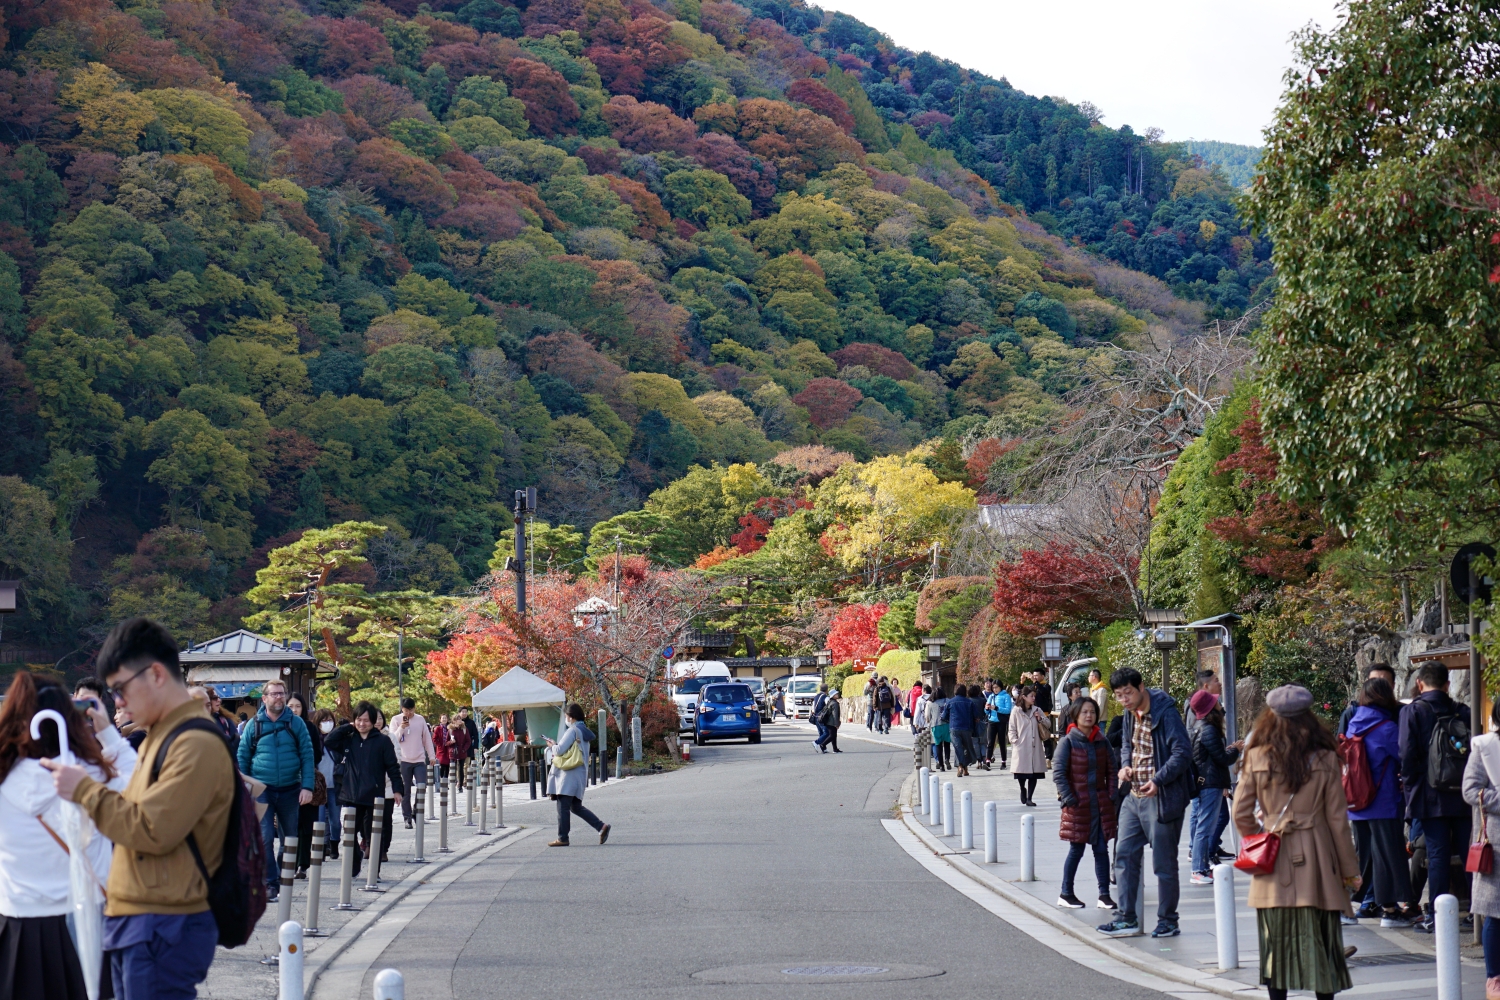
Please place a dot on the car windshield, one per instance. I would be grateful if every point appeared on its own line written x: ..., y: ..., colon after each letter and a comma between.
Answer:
x: 727, y: 694
x: 802, y: 685
x: 756, y: 684
x: 692, y: 685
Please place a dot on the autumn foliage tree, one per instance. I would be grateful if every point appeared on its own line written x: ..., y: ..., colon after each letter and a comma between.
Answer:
x: 853, y: 635
x: 828, y: 401
x: 1057, y: 587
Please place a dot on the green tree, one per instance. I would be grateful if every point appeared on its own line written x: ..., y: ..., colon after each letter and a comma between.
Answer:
x: 1377, y: 185
x: 705, y: 197
x: 557, y: 548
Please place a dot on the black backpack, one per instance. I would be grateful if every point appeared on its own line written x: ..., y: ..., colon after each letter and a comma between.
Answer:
x: 1447, y: 752
x: 237, y: 891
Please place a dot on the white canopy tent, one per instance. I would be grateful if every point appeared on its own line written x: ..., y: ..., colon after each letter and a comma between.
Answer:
x: 519, y: 690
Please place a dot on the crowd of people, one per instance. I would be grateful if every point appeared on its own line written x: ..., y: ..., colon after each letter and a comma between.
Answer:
x: 1133, y: 768
x: 169, y: 781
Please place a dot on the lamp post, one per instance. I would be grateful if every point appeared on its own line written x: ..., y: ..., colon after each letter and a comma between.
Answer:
x: 1227, y: 678
x: 1052, y: 654
x: 933, y: 644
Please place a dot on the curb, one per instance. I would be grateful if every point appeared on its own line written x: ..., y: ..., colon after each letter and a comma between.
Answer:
x: 1165, y: 969
x: 341, y: 940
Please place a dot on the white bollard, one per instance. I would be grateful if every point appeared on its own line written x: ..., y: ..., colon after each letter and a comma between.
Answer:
x: 991, y: 835
x: 1224, y: 918
x: 947, y: 808
x: 291, y: 961
x: 484, y: 801
x: 934, y: 802
x: 315, y: 878
x: 346, y: 867
x: 922, y: 778
x: 966, y: 821
x: 288, y: 873
x: 1028, y: 848
x: 389, y: 985
x: 419, y: 789
x: 377, y: 829
x: 1449, y: 972
x: 443, y: 814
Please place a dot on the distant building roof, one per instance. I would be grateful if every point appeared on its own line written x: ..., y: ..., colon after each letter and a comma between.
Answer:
x: 242, y: 646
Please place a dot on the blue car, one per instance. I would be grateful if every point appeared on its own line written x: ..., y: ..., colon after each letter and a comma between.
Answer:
x: 726, y: 711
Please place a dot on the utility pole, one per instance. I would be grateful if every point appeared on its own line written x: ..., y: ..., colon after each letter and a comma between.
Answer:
x: 400, y: 681
x: 525, y: 504
x: 619, y: 554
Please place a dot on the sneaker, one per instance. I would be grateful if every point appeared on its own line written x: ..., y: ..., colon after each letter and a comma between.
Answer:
x: 1369, y: 908
x: 1422, y: 926
x: 273, y: 893
x: 1348, y: 921
x: 1166, y: 928
x: 1202, y: 878
x: 1396, y: 919
x: 1070, y: 901
x: 1121, y: 927
x: 1105, y: 902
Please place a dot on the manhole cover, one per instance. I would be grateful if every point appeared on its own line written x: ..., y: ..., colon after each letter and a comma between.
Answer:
x: 814, y: 972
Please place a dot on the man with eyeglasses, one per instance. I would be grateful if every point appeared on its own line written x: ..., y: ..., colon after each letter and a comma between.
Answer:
x: 277, y: 750
x: 168, y: 825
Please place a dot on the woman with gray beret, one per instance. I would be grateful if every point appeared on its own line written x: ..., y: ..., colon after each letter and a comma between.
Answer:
x: 1291, y: 785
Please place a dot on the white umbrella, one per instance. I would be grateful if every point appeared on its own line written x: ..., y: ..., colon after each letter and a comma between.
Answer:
x: 83, y: 884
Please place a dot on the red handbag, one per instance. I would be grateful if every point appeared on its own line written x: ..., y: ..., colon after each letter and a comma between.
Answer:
x: 1258, y: 851
x: 1481, y: 859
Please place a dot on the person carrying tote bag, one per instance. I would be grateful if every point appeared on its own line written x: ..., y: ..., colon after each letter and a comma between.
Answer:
x: 1481, y: 788
x: 568, y: 778
x: 1291, y: 778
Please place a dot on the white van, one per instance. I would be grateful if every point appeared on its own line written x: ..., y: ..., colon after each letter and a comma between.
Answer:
x: 686, y: 679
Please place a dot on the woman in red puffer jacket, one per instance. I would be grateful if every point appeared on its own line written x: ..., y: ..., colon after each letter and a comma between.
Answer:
x: 442, y: 745
x: 1084, y: 767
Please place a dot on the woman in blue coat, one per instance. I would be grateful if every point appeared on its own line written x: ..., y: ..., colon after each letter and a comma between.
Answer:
x: 1379, y: 839
x: 567, y: 786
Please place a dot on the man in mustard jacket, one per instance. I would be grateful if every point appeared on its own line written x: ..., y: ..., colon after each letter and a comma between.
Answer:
x: 159, y: 934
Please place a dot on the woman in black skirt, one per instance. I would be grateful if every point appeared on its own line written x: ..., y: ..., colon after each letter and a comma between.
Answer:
x: 37, y: 958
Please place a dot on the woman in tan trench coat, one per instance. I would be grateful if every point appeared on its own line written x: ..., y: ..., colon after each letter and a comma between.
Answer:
x: 1291, y: 778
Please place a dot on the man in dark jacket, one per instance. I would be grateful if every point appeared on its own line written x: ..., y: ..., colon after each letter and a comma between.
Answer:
x: 815, y: 716
x: 1156, y: 762
x: 277, y: 750
x: 1443, y: 812
x: 369, y: 760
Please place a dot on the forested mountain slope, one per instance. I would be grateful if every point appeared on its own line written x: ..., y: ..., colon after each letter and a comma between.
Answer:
x: 272, y: 264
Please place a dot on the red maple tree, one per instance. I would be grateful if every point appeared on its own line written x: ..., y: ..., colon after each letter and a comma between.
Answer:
x: 1058, y: 587
x: 828, y: 401
x: 853, y: 633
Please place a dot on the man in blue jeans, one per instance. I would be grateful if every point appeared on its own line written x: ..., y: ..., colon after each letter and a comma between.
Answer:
x: 159, y: 934
x: 276, y: 749
x: 1442, y: 810
x: 1157, y: 767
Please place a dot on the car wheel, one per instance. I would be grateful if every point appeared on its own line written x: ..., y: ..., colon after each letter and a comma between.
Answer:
x: 755, y: 737
x: 698, y: 739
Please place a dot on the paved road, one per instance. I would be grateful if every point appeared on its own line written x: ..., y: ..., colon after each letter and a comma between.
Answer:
x: 767, y: 856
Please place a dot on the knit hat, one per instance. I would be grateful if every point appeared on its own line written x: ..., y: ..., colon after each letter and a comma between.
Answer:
x: 1289, y: 699
x: 1202, y: 702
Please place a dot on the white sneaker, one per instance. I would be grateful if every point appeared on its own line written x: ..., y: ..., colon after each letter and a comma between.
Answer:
x: 1202, y: 878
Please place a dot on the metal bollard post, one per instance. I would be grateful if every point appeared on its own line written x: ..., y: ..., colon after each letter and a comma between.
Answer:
x: 1227, y: 931
x: 443, y: 815
x: 635, y: 738
x: 469, y: 792
x: 966, y: 821
x: 377, y: 827
x: 349, y: 849
x: 288, y: 872
x: 421, y: 810
x: 991, y: 835
x: 594, y: 761
x: 499, y: 796
x: 389, y: 985
x: 935, y: 814
x: 922, y: 802
x: 484, y: 801
x: 619, y: 762
x: 1028, y: 848
x: 290, y: 962
x: 315, y: 878
x: 531, y: 777
x: 1449, y: 972
x: 947, y: 808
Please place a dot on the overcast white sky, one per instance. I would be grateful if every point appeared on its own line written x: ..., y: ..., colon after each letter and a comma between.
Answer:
x: 1199, y: 69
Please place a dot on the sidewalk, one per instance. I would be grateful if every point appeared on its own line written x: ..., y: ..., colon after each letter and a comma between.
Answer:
x: 238, y: 974
x: 1390, y: 964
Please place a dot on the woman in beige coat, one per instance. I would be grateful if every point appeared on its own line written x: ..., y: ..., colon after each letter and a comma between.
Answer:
x: 1029, y: 731
x: 1291, y: 778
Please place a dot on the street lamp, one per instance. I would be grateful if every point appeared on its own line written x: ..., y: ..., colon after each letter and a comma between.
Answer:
x: 934, y: 644
x: 825, y: 658
x: 1226, y: 639
x: 1052, y: 654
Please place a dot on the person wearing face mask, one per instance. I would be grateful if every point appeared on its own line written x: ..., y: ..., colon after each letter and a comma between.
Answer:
x: 369, y: 761
x: 323, y: 724
x: 308, y: 812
